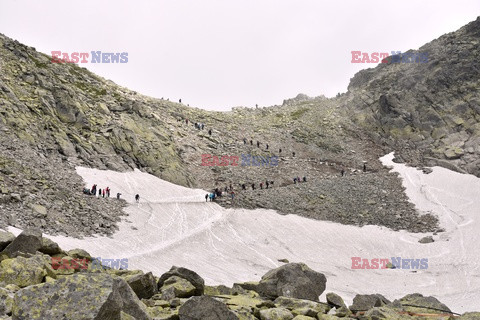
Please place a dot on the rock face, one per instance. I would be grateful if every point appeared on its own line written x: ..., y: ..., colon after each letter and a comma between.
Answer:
x: 205, y: 308
x: 295, y: 280
x: 80, y: 296
x: 189, y: 275
x: 144, y: 285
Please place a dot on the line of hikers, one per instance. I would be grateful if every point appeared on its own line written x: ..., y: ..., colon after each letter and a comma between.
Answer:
x: 266, y: 146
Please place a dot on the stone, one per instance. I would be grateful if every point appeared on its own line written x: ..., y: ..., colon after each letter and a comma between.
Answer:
x: 80, y: 296
x: 144, y: 285
x: 383, y: 313
x: 305, y: 307
x: 335, y: 300
x: 22, y: 272
x: 186, y: 274
x: 205, y: 308
x: 79, y: 254
x: 5, y: 239
x: 364, y: 302
x: 178, y: 287
x: 295, y: 280
x: 469, y: 316
x: 428, y: 239
x: 29, y: 241
x: 50, y: 247
x: 276, y: 314
x: 424, y: 304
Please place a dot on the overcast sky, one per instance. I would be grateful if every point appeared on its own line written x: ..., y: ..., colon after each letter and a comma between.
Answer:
x: 218, y: 54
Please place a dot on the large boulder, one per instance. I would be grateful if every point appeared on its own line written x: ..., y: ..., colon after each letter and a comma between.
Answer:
x: 144, y: 285
x: 205, y: 308
x: 24, y: 272
x: 364, y: 302
x: 303, y: 307
x: 5, y: 239
x: 176, y: 287
x: 29, y: 241
x: 335, y: 300
x: 50, y: 247
x: 189, y: 275
x: 295, y: 280
x: 80, y: 296
x: 422, y: 304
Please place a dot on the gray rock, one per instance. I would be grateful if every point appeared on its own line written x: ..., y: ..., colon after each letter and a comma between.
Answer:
x: 29, y: 241
x: 364, y: 302
x: 50, y: 247
x: 205, y: 308
x: 80, y: 296
x: 144, y: 285
x: 186, y: 274
x: 428, y: 239
x: 335, y: 300
x: 5, y: 239
x: 276, y: 314
x: 295, y: 280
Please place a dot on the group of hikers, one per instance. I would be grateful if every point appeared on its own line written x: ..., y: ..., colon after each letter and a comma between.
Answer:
x: 105, y: 193
x: 101, y: 192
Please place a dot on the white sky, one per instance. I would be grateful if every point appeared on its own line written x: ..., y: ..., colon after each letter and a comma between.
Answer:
x: 218, y: 54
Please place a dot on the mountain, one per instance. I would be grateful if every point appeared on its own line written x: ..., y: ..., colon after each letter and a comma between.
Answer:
x: 56, y: 116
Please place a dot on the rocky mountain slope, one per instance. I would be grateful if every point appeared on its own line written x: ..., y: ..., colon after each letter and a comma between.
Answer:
x: 54, y: 117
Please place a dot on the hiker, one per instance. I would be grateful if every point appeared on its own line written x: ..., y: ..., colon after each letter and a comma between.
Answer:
x: 108, y: 192
x: 342, y: 172
x: 232, y: 194
x: 261, y: 185
x: 267, y: 184
x: 137, y: 198
x: 256, y: 106
x: 179, y: 100
x: 202, y: 126
x: 226, y: 189
x: 364, y: 167
x: 293, y: 153
x: 94, y: 190
x: 304, y: 179
x: 253, y: 186
x: 258, y: 144
x: 298, y: 179
x: 231, y: 188
x: 212, y: 196
x: 118, y: 195
x: 271, y: 182
x: 280, y: 150
x: 206, y: 197
x: 210, y: 131
x: 251, y: 142
x: 295, y: 180
x: 267, y: 146
x: 103, y: 193
x: 244, y: 187
x: 244, y: 141
x: 196, y: 125
x: 99, y: 193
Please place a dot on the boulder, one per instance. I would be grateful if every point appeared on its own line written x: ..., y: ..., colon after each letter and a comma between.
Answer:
x: 424, y: 304
x: 29, y: 241
x: 176, y: 287
x: 276, y: 314
x: 24, y: 272
x: 335, y: 300
x: 295, y: 280
x: 144, y: 285
x: 6, y: 301
x: 301, y: 317
x: 80, y: 296
x: 5, y: 239
x: 428, y: 239
x: 364, y: 302
x: 186, y: 274
x: 383, y: 313
x: 79, y: 254
x: 205, y: 308
x: 304, y: 307
x: 469, y: 316
x: 50, y: 247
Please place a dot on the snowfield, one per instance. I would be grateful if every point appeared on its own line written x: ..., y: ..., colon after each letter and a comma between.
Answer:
x: 173, y: 225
